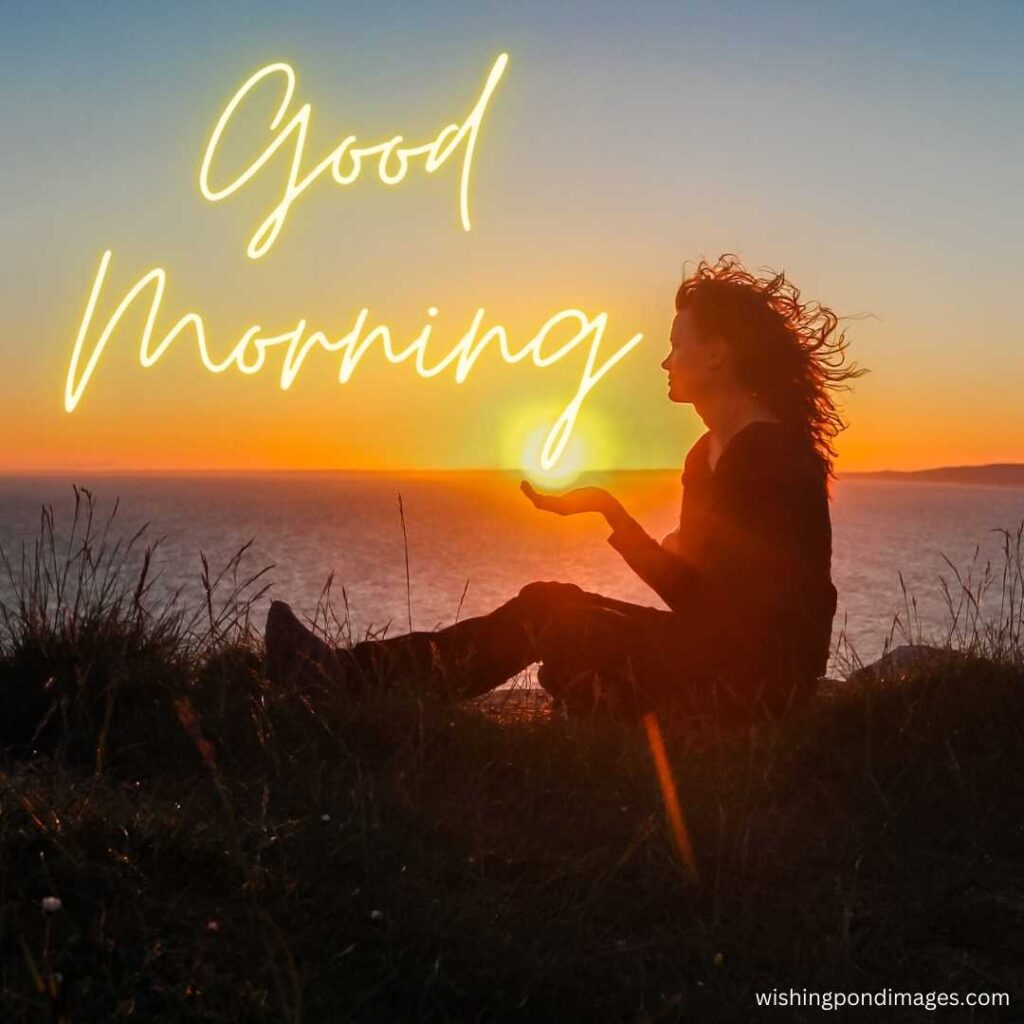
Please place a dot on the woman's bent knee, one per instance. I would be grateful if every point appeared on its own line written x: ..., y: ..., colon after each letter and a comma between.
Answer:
x: 550, y: 592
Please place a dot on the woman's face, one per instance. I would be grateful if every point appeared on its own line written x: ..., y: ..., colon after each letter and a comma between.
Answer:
x: 694, y: 363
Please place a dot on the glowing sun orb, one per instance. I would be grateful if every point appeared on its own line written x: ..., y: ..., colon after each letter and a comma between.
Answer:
x: 573, y: 461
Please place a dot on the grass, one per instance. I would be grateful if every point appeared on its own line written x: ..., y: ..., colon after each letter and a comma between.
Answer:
x: 224, y: 850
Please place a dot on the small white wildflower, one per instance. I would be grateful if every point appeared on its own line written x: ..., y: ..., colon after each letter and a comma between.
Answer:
x: 325, y: 817
x: 212, y: 925
x: 376, y: 915
x: 51, y: 903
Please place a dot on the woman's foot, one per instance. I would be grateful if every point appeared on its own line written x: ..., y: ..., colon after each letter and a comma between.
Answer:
x: 296, y: 656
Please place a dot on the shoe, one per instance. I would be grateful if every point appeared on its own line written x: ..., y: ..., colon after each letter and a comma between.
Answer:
x: 296, y: 656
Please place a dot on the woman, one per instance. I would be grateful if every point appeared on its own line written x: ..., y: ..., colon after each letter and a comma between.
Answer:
x: 746, y: 575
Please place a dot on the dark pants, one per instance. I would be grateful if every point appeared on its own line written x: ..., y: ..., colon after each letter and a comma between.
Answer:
x: 597, y: 654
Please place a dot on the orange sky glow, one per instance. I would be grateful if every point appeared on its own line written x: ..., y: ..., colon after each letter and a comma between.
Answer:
x: 281, y: 193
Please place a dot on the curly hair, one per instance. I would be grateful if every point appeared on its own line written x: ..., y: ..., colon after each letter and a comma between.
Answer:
x: 786, y: 352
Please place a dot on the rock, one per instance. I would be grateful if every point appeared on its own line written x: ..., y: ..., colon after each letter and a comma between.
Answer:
x: 828, y: 687
x: 899, y: 662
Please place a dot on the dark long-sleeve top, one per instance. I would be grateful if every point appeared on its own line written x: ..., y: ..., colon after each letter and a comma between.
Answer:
x: 751, y: 560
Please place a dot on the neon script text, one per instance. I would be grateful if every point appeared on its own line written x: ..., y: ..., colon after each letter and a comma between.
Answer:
x: 346, y: 160
x: 249, y: 355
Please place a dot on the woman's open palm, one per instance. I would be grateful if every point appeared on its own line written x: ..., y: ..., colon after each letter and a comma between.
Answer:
x: 582, y: 499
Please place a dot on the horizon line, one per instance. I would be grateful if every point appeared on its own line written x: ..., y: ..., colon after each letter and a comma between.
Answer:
x: 412, y: 470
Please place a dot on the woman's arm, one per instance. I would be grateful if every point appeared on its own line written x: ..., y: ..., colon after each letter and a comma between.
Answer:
x: 582, y: 499
x: 679, y: 584
x: 676, y: 582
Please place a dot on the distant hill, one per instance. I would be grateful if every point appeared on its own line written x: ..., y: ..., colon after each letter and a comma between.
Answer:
x: 996, y: 474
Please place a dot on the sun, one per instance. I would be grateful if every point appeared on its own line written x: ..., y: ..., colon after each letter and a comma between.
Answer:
x: 525, y: 432
x: 573, y: 461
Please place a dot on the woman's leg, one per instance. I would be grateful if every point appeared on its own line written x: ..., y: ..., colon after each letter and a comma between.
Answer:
x: 601, y: 655
x: 474, y: 656
x: 569, y: 629
x: 463, y: 660
x: 466, y: 659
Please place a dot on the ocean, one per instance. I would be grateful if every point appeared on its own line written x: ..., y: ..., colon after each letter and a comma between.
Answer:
x: 472, y: 540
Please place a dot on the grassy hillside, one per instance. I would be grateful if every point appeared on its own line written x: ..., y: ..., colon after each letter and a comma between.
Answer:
x: 181, y: 841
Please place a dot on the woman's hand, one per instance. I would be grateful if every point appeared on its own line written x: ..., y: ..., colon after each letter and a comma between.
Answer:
x: 582, y: 499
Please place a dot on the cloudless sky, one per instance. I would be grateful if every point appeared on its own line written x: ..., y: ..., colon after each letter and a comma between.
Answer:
x: 872, y: 151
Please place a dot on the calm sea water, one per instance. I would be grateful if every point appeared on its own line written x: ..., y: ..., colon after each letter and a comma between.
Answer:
x: 474, y: 537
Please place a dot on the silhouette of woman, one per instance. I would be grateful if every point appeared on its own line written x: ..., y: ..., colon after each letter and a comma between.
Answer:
x: 746, y: 575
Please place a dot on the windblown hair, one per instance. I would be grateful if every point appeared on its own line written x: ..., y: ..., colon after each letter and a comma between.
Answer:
x: 786, y: 352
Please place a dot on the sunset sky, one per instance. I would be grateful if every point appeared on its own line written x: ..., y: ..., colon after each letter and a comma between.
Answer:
x: 872, y: 151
